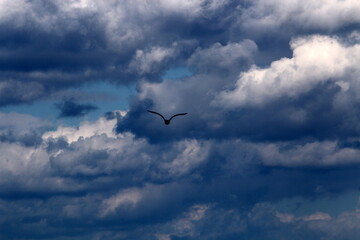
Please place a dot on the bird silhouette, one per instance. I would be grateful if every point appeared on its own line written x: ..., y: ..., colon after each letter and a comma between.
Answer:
x: 167, y: 121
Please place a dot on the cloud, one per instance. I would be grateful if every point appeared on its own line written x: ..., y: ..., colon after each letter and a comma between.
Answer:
x: 317, y: 216
x: 145, y: 62
x: 22, y: 122
x: 224, y: 57
x: 312, y: 94
x: 267, y: 122
x: 69, y: 108
x: 21, y: 128
x: 298, y: 16
x: 103, y: 125
x: 18, y: 92
x: 53, y: 46
x: 176, y: 188
x: 312, y: 226
x: 316, y: 60
x: 170, y: 97
x: 320, y: 154
x: 127, y: 199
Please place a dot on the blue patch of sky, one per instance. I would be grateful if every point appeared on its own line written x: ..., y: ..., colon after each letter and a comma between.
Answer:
x: 117, y: 99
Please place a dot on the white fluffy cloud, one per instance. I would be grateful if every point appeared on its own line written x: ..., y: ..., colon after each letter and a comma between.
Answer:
x: 218, y: 61
x: 28, y: 169
x: 148, y: 61
x: 113, y: 11
x: 85, y: 130
x: 265, y: 15
x: 316, y: 59
x: 95, y: 149
x: 127, y: 198
x: 19, y: 160
x: 92, y: 150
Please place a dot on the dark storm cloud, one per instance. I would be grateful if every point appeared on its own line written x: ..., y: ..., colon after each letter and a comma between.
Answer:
x: 56, y: 45
x: 267, y: 120
x: 176, y: 188
x: 69, y: 108
x: 294, y: 98
x: 124, y: 181
x: 189, y: 95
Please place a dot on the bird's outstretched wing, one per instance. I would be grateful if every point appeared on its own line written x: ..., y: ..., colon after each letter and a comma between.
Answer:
x: 179, y: 114
x: 157, y: 114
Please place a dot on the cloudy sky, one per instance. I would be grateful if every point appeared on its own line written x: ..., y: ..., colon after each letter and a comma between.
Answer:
x: 269, y: 150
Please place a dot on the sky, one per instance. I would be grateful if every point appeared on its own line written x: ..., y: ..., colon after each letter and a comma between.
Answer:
x: 269, y: 149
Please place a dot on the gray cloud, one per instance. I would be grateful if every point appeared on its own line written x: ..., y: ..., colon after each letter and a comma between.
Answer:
x: 69, y: 108
x: 298, y: 16
x: 272, y: 115
x: 179, y: 188
x: 293, y: 98
x: 56, y: 45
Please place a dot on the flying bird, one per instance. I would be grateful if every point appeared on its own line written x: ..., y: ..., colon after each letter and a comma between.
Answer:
x: 167, y: 121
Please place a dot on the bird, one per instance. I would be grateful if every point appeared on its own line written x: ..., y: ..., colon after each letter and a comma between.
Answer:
x: 167, y: 121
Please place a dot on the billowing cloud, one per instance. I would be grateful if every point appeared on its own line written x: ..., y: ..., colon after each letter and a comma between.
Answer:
x: 148, y: 62
x: 169, y: 97
x: 93, y: 173
x: 269, y: 146
x: 46, y: 47
x: 316, y: 60
x: 323, y: 15
x: 312, y: 94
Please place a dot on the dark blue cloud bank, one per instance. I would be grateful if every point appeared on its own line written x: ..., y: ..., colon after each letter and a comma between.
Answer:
x: 269, y: 149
